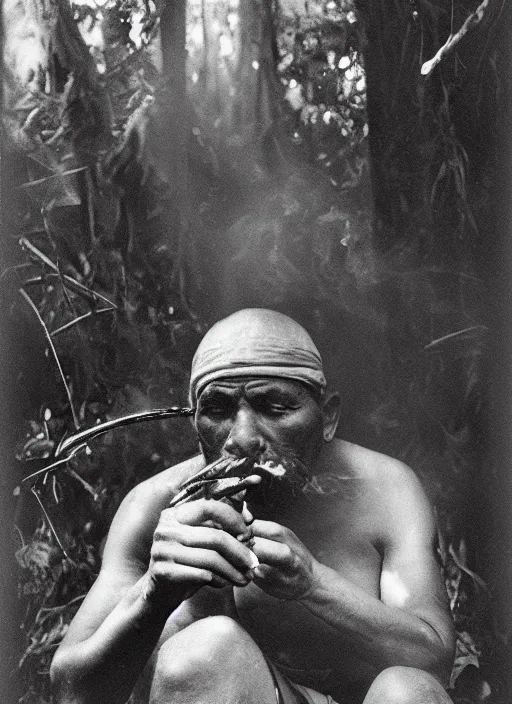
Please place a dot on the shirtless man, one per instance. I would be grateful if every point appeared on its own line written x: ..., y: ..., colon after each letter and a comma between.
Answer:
x: 347, y: 603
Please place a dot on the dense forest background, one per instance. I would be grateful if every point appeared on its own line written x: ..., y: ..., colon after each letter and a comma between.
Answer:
x: 165, y: 163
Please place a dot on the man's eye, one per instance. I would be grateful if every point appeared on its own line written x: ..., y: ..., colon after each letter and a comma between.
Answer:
x: 215, y: 410
x: 277, y: 408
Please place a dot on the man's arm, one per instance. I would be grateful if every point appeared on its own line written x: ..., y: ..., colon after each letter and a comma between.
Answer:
x: 119, y: 624
x: 113, y: 634
x: 410, y: 624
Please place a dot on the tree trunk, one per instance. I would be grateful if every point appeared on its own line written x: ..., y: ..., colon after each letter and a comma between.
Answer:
x: 172, y: 104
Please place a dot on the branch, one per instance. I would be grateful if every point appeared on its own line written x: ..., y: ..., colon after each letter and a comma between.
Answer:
x: 473, y: 19
x: 84, y: 436
x: 50, y: 524
x: 54, y: 351
x: 453, y: 335
x: 66, y: 280
x: 79, y: 319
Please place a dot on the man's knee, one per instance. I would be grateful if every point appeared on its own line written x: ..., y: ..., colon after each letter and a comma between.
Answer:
x: 406, y: 685
x: 202, y: 652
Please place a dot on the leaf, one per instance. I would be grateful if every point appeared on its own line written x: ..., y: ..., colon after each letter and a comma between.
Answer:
x: 36, y: 556
x: 466, y: 654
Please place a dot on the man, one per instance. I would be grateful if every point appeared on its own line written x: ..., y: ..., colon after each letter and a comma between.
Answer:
x: 347, y: 603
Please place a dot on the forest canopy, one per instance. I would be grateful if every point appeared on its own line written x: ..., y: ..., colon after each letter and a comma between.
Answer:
x: 166, y: 163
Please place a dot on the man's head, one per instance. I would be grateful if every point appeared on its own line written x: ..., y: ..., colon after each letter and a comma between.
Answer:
x: 259, y: 388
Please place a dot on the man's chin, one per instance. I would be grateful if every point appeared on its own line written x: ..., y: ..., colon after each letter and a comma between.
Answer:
x: 274, y: 495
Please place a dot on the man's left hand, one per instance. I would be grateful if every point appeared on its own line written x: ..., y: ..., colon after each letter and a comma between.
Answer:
x: 287, y: 569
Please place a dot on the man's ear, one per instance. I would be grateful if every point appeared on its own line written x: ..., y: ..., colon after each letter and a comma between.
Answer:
x: 331, y: 409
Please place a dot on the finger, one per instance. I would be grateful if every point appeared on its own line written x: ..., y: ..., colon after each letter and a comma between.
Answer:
x: 178, y: 573
x: 247, y: 515
x: 209, y: 560
x: 198, y: 512
x: 264, y: 572
x: 269, y: 530
x: 225, y: 544
x: 271, y: 552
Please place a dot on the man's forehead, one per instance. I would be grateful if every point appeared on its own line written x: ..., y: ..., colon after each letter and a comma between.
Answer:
x: 255, y: 383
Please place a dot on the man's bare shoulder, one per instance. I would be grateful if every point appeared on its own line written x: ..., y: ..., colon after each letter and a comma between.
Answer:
x: 389, y: 490
x: 158, y: 490
x: 371, y: 466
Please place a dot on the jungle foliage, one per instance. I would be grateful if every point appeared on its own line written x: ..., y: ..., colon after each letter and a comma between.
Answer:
x: 166, y: 163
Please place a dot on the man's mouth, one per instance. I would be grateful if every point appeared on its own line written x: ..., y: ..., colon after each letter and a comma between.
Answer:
x: 229, y: 478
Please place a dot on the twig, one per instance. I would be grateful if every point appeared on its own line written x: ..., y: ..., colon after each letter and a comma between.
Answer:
x: 473, y: 19
x: 71, y: 307
x: 452, y: 335
x: 39, y: 181
x: 85, y: 436
x: 54, y: 351
x: 57, y: 331
x: 37, y: 253
x: 14, y: 268
x: 63, y: 607
x: 20, y: 534
x: 49, y: 521
x: 85, y: 484
x: 54, y: 465
x: 460, y: 564
x: 73, y: 284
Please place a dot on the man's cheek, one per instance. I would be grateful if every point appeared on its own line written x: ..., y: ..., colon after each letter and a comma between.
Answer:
x: 212, y: 436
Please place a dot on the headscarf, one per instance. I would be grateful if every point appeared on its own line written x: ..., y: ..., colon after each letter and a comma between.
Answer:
x: 256, y: 342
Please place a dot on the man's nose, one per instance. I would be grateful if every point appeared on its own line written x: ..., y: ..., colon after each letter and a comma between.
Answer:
x: 245, y: 437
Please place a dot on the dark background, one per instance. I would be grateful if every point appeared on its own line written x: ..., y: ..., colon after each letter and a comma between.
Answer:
x: 184, y: 187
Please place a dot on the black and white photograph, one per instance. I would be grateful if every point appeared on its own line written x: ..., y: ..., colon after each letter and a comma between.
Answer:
x: 256, y: 352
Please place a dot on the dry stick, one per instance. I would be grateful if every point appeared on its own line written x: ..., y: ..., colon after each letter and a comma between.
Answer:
x: 54, y: 351
x: 73, y: 284
x: 452, y: 335
x: 57, y: 331
x: 49, y: 521
x: 84, y: 436
x: 53, y: 466
x: 82, y: 481
x: 58, y: 175
x: 473, y: 19
x: 37, y: 252
x: 71, y: 307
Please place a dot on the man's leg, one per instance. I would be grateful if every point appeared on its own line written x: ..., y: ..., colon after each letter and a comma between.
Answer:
x: 212, y: 661
x: 406, y: 685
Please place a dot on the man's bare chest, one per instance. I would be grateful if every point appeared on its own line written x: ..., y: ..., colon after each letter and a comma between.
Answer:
x: 290, y: 634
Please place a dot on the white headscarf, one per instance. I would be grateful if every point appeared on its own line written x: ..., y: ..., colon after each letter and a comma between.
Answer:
x: 256, y: 342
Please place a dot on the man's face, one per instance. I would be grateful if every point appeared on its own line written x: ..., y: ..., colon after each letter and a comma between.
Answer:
x: 262, y: 417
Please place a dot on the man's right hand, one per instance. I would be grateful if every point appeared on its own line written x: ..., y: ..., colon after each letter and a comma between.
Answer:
x: 196, y: 544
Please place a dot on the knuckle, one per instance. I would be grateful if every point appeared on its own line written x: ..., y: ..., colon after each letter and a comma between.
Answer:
x: 159, y: 534
x: 158, y: 570
x: 288, y: 554
x: 275, y: 529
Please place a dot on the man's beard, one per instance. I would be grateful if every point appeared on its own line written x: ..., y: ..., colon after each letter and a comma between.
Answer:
x: 277, y: 493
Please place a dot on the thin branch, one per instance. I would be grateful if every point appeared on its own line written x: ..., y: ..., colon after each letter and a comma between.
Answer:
x: 85, y: 484
x: 45, y: 513
x: 71, y: 307
x: 54, y: 465
x: 53, y: 609
x: 452, y: 335
x: 38, y: 254
x: 452, y: 41
x: 57, y: 331
x: 85, y: 436
x: 40, y: 181
x: 14, y: 268
x: 71, y: 283
x: 54, y: 351
x: 460, y: 564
